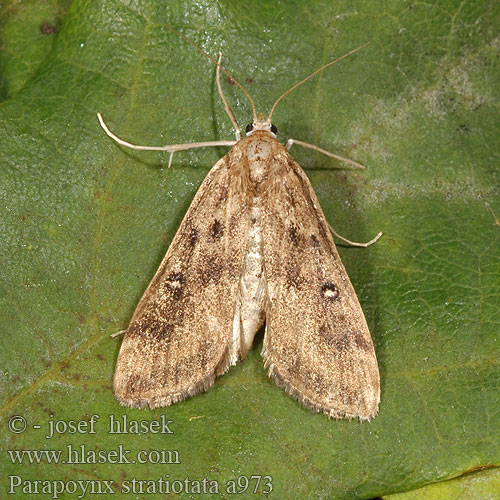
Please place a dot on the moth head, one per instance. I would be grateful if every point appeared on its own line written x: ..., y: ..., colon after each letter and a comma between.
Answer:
x: 261, y: 123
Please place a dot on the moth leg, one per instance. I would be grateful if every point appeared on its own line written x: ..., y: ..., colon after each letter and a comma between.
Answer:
x: 117, y: 333
x: 291, y: 142
x: 172, y: 148
x: 229, y: 111
x: 354, y: 243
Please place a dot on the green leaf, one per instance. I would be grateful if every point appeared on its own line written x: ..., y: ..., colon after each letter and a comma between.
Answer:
x: 28, y: 30
x: 84, y: 224
x: 479, y: 485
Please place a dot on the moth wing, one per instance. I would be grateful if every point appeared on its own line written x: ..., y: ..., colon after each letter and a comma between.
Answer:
x: 179, y: 338
x: 317, y: 344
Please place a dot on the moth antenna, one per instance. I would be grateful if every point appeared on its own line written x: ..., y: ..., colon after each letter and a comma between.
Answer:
x: 180, y: 35
x: 311, y: 75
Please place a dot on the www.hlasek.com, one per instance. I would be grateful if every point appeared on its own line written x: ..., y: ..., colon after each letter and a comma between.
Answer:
x: 255, y: 484
x: 81, y: 454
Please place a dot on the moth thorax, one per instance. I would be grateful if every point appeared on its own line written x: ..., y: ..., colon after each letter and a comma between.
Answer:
x: 259, y: 154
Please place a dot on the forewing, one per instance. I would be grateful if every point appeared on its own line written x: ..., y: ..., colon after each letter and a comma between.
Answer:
x: 317, y: 344
x: 179, y: 337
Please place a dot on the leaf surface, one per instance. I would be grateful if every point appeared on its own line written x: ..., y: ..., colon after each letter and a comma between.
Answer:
x: 84, y: 225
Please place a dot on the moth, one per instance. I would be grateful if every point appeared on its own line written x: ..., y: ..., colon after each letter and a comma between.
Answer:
x: 253, y: 247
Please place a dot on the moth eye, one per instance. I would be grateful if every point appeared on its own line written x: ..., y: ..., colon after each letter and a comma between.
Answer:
x: 249, y: 128
x: 274, y: 130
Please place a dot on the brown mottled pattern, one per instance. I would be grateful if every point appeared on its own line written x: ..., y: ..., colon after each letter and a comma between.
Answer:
x: 317, y: 344
x: 177, y: 341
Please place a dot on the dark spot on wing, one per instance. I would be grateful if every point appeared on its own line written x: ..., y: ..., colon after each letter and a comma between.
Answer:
x: 175, y: 283
x: 293, y: 234
x: 193, y: 237
x: 329, y: 291
x: 211, y: 270
x: 340, y: 342
x: 314, y: 241
x: 132, y: 331
x: 220, y: 195
x: 361, y: 342
x: 216, y: 230
x: 158, y: 331
x: 293, y: 277
x: 324, y: 333
x: 150, y: 328
x: 323, y: 234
